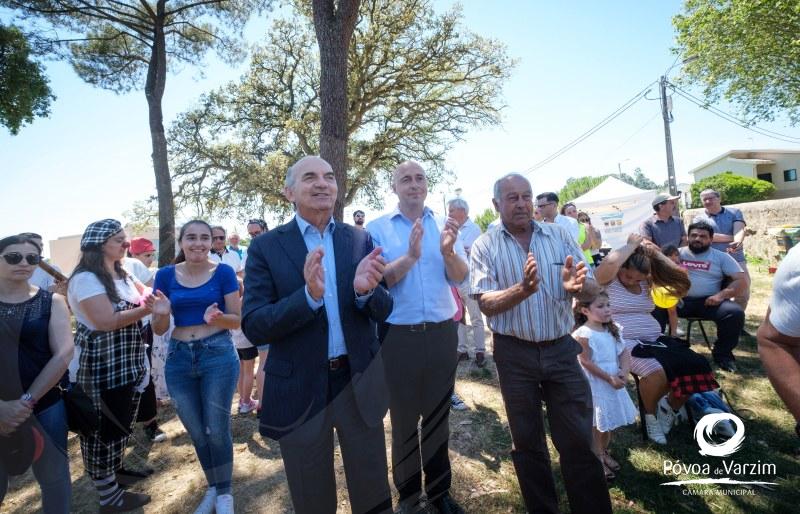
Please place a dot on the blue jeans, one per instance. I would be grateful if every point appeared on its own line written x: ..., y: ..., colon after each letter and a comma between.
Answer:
x: 52, y: 468
x: 201, y: 377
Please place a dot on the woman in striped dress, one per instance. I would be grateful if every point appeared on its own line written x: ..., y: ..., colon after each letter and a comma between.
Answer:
x: 629, y: 273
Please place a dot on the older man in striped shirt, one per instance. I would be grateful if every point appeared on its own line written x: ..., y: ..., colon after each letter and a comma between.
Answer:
x: 524, y: 275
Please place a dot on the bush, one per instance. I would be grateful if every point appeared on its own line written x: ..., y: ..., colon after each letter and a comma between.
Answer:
x: 483, y: 219
x: 733, y: 188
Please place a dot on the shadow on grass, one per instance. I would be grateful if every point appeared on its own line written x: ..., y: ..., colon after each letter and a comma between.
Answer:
x: 486, y: 438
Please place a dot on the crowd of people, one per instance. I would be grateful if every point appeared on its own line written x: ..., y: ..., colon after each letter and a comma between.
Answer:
x: 351, y: 321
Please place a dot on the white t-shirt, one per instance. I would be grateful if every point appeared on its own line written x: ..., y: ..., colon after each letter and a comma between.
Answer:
x: 137, y: 268
x: 85, y: 285
x: 42, y: 279
x: 785, y: 304
x: 230, y: 258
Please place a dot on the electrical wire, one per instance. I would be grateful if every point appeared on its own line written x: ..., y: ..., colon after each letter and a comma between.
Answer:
x: 605, y: 121
x: 731, y: 118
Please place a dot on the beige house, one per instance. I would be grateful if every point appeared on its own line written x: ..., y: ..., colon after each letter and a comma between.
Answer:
x: 776, y: 166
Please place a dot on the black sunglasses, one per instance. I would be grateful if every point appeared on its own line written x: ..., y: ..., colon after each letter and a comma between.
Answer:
x: 218, y: 238
x: 14, y: 258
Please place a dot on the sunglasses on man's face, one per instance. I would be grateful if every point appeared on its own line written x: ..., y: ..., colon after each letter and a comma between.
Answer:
x: 218, y: 238
x: 14, y: 258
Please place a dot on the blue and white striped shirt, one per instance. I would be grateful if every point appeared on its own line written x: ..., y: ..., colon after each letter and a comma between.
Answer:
x: 496, y: 263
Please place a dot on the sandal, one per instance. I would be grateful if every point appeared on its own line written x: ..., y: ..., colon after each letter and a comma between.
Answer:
x: 609, y: 461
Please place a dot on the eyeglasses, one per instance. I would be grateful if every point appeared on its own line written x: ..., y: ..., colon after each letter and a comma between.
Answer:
x: 218, y: 238
x: 541, y: 205
x: 15, y: 258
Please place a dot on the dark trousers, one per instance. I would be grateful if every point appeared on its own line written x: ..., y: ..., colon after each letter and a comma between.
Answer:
x: 420, y: 363
x: 728, y: 316
x: 530, y: 373
x: 309, y: 466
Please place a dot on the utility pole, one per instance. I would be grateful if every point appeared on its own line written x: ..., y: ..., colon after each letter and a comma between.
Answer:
x: 673, y: 185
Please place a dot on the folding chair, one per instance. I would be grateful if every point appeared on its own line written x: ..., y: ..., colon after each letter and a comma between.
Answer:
x: 702, y: 330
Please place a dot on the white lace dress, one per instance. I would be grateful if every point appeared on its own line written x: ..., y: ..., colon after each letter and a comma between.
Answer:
x: 613, y: 408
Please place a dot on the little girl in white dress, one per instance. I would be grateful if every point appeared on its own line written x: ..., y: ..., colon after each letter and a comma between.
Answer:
x: 606, y: 364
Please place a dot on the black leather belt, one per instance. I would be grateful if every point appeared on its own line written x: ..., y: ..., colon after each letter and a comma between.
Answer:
x: 424, y: 326
x: 540, y: 344
x: 338, y: 363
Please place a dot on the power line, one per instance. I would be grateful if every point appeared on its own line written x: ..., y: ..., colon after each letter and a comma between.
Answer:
x: 731, y: 118
x: 605, y: 121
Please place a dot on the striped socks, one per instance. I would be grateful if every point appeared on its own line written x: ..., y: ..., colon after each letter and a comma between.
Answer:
x: 109, y: 490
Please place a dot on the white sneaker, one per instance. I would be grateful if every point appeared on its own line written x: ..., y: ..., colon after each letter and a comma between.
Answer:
x: 225, y: 504
x: 250, y: 406
x: 654, y: 432
x: 665, y: 415
x: 207, y: 504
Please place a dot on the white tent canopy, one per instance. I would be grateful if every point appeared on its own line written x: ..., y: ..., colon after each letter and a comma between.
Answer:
x: 616, y: 209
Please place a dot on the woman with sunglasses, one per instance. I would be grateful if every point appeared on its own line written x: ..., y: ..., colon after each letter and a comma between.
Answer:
x: 202, y: 367
x: 44, y: 348
x: 108, y: 306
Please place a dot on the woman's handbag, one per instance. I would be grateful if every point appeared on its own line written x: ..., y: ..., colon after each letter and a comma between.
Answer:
x: 82, y: 416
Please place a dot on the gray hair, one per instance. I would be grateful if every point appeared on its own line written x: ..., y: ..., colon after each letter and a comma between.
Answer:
x: 506, y: 177
x: 290, y: 178
x: 289, y: 181
x: 458, y: 203
x: 710, y: 191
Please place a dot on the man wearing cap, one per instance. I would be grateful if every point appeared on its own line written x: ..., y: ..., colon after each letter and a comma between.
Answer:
x: 662, y: 228
x: 728, y: 224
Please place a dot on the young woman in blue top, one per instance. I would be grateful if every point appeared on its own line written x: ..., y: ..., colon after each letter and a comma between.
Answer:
x: 202, y: 367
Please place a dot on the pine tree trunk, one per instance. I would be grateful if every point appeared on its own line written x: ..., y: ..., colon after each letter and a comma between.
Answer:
x: 154, y: 92
x: 334, y: 27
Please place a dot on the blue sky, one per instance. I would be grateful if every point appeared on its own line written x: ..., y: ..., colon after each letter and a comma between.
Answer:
x: 577, y: 62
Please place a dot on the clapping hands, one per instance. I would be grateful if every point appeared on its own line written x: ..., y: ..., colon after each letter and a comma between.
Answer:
x: 212, y: 314
x: 369, y: 272
x: 573, y: 277
x: 314, y: 273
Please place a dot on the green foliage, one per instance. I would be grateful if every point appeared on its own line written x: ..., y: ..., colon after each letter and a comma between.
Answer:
x: 417, y: 82
x: 24, y: 90
x: 142, y: 216
x: 745, y: 51
x: 733, y: 188
x: 113, y: 43
x: 483, y: 219
x: 575, y: 187
x: 640, y: 180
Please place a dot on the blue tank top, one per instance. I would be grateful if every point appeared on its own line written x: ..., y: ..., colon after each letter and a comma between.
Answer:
x: 189, y: 304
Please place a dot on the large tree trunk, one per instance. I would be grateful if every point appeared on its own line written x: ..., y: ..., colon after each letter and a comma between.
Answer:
x: 154, y: 91
x: 334, y: 27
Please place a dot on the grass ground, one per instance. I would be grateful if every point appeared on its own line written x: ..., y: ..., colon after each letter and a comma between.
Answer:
x: 484, y: 480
